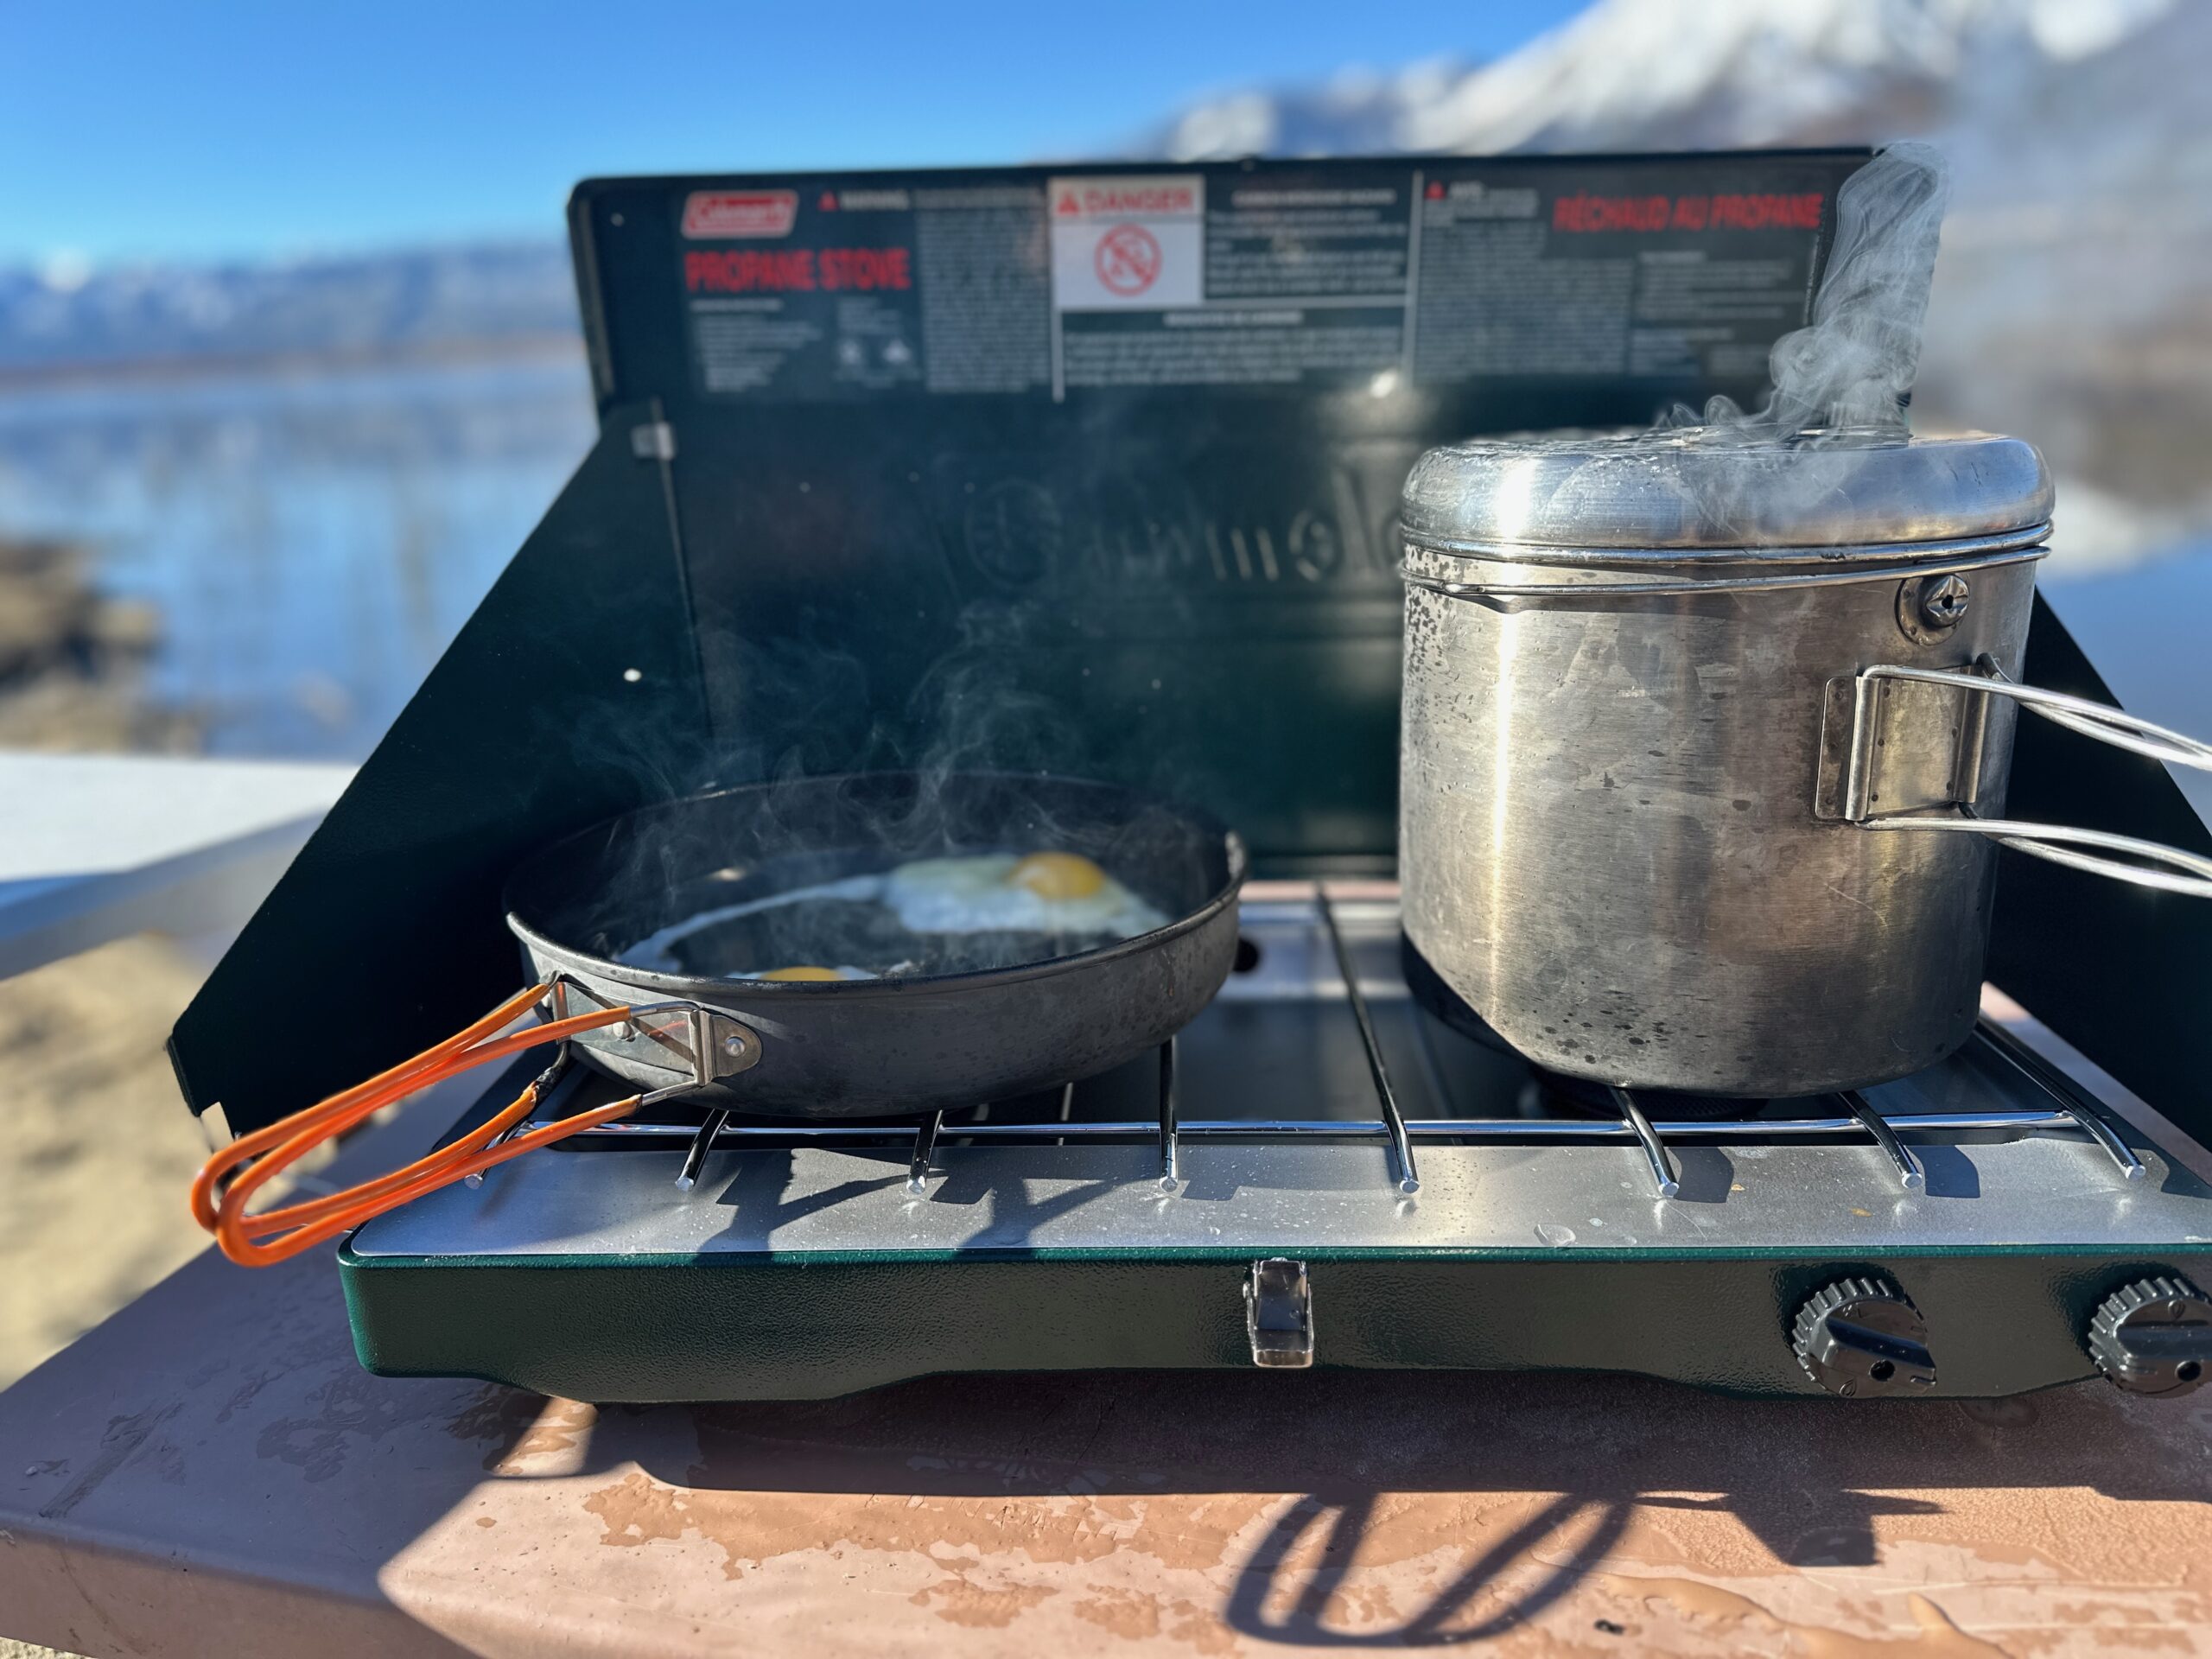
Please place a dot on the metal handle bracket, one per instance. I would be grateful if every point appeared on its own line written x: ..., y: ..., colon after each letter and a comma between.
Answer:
x: 1899, y: 745
x: 709, y: 1043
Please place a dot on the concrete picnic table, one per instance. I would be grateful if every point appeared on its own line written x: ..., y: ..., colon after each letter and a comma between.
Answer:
x: 210, y: 1472
x: 93, y: 847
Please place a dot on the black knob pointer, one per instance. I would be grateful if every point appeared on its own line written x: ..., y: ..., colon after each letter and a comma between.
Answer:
x: 1863, y: 1338
x: 2154, y: 1337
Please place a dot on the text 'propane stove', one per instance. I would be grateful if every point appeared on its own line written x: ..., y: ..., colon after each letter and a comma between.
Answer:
x: 1321, y: 1157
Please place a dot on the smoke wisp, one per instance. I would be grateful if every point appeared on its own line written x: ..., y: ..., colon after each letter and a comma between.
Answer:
x: 1848, y: 375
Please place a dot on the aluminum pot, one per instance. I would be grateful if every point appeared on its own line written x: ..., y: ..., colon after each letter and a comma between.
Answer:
x: 1658, y: 695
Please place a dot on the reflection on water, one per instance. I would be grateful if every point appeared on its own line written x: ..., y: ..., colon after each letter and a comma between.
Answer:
x: 313, y: 539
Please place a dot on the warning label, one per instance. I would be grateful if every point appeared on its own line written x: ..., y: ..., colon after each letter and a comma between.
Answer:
x: 1680, y: 272
x: 1127, y: 243
x: 867, y: 293
x: 1582, y: 268
x: 1279, y: 283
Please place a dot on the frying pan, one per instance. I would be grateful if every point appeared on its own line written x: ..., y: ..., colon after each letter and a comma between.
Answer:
x: 908, y: 1044
x: 899, y: 1045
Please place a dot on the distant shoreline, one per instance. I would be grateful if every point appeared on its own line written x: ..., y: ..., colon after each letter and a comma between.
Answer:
x: 538, y: 346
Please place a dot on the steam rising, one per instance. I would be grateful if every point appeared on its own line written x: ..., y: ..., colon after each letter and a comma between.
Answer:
x: 789, y: 879
x: 1850, y: 370
x: 1786, y: 473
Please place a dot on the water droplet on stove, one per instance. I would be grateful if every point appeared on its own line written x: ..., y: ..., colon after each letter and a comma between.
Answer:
x: 1552, y: 1233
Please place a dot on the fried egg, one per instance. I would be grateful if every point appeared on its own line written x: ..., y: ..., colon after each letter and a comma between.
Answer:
x: 1063, y: 896
x: 1036, y: 892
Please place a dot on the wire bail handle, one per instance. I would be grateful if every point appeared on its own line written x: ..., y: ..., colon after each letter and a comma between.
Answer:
x: 1845, y: 791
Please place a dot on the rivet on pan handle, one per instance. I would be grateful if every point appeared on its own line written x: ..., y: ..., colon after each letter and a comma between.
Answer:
x: 710, y: 1044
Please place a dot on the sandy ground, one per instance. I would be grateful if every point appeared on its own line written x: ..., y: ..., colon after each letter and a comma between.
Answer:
x: 98, y: 1149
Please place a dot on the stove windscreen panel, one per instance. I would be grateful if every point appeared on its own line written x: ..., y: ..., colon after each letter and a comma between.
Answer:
x: 1096, y: 468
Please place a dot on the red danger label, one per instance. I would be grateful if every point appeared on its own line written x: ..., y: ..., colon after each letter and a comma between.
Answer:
x: 799, y: 270
x: 1168, y: 198
x: 727, y: 215
x: 1128, y: 260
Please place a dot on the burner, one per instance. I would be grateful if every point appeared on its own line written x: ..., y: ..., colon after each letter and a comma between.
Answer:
x: 1433, y: 993
x: 1566, y: 1096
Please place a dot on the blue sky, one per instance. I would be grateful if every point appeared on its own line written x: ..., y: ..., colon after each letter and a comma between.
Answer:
x: 146, y: 128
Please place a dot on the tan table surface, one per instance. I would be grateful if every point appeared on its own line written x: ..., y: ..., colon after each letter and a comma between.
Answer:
x: 210, y: 1473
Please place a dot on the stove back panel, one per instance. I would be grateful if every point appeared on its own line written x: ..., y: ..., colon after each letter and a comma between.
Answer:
x: 1096, y: 468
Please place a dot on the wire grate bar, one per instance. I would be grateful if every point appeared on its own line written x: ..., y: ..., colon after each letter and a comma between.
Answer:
x: 1393, y: 1121
x: 1170, y: 1161
x: 2048, y: 1077
x: 917, y: 1166
x: 1911, y: 1175
x: 1663, y: 1174
x: 1532, y: 1130
x: 695, y: 1157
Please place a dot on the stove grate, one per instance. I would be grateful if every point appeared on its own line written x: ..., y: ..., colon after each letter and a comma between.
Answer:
x: 1854, y: 1119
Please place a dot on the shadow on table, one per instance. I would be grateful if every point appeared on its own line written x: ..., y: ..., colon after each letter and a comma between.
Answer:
x: 1809, y: 1479
x: 239, y: 1398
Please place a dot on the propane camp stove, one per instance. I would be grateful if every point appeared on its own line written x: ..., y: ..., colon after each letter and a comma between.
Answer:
x: 1319, y: 1169
x: 889, y: 469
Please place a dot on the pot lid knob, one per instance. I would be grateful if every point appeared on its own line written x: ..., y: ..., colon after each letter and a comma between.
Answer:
x: 2154, y: 1337
x: 1863, y: 1338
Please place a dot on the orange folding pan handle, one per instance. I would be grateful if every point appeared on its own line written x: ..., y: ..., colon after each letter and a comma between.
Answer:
x: 257, y: 1241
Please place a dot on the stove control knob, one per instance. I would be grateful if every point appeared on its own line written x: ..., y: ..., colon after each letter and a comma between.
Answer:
x: 1863, y: 1338
x: 2154, y: 1337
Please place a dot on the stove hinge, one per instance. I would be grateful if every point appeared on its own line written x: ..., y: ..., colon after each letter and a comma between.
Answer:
x: 1279, y: 1313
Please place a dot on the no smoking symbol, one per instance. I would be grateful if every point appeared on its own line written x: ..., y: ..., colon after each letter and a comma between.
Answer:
x: 1128, y: 260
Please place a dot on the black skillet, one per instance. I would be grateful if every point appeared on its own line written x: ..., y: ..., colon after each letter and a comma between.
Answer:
x: 908, y: 1043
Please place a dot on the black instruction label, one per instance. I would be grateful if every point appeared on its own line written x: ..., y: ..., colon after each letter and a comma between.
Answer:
x: 1292, y: 276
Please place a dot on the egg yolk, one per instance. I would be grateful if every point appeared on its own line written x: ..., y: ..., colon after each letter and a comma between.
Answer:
x: 1058, y: 876
x: 802, y: 972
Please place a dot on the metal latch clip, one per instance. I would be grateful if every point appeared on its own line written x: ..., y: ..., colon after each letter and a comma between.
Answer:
x: 1279, y: 1313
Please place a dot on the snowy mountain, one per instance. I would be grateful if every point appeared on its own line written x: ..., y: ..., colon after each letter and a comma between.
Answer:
x: 2069, y: 302
x: 1652, y: 74
x: 369, y: 304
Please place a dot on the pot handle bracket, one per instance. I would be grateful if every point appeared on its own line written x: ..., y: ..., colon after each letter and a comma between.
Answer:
x: 1893, y: 754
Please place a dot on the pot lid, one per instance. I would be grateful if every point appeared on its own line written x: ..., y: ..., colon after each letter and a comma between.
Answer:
x: 1701, y: 491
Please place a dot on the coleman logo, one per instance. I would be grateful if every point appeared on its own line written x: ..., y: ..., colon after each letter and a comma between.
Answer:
x: 723, y: 215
